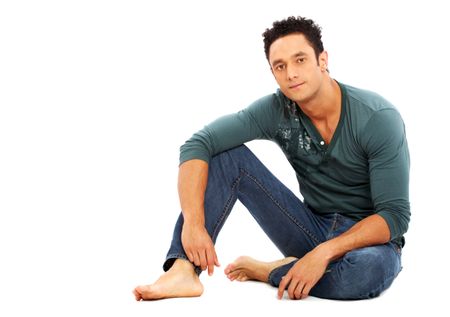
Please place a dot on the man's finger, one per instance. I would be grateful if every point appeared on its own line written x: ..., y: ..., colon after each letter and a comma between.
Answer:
x: 284, y: 282
x: 298, y: 291
x: 190, y: 256
x: 203, y: 263
x: 291, y: 288
x: 210, y: 259
x: 306, y: 290
x: 196, y: 259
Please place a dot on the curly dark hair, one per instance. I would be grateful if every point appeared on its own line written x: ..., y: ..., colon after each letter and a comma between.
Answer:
x: 292, y: 24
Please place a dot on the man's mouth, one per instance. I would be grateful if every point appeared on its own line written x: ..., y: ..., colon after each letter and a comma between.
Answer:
x: 296, y: 85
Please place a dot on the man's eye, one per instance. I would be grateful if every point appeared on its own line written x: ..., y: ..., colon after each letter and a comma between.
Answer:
x: 300, y: 60
x: 280, y: 67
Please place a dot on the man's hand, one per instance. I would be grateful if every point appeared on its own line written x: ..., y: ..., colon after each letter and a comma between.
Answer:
x: 199, y: 247
x: 302, y: 277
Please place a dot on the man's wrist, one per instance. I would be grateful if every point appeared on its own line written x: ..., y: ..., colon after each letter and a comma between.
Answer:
x: 193, y: 222
x: 329, y: 250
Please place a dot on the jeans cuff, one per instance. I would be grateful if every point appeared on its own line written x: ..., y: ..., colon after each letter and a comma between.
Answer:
x: 170, y: 259
x: 272, y: 278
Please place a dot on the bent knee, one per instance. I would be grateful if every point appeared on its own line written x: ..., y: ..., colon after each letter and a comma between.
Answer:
x: 362, y: 273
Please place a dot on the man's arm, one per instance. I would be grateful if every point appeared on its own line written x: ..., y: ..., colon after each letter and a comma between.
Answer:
x: 386, y: 146
x: 254, y: 122
x: 372, y: 230
x: 192, y: 180
x: 384, y: 142
x: 302, y: 277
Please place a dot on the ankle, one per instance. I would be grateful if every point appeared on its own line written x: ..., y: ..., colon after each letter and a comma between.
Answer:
x: 183, y: 265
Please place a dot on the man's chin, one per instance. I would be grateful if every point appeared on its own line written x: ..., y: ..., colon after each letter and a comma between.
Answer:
x: 296, y: 98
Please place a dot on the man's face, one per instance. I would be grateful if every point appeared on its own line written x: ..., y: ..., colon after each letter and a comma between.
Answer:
x: 295, y: 67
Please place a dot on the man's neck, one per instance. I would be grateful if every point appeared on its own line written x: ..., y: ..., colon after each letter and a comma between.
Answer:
x: 326, y: 105
x: 324, y: 109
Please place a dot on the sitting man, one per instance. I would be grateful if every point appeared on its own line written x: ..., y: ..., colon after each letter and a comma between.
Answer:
x: 350, y: 154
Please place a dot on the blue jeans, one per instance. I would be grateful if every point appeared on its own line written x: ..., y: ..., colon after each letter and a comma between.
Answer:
x: 292, y: 227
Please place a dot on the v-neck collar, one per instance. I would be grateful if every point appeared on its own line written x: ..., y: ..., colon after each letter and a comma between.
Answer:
x: 312, y: 130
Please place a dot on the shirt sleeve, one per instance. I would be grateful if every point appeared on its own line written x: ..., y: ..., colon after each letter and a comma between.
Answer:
x: 227, y: 132
x: 388, y: 156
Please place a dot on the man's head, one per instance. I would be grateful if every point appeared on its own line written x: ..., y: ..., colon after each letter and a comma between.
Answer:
x: 296, y: 56
x: 307, y: 27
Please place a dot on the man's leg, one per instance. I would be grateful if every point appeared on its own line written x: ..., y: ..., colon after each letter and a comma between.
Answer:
x: 238, y: 174
x: 360, y: 274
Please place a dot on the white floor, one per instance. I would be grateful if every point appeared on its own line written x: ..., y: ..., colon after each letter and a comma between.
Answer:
x: 94, y: 277
x: 77, y: 243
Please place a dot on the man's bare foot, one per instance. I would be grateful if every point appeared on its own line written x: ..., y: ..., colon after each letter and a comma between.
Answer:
x: 245, y: 268
x: 180, y: 281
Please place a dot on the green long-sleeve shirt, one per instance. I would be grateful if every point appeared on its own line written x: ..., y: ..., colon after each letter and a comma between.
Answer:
x: 363, y: 171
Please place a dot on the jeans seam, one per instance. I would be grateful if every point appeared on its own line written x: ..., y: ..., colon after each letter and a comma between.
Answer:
x: 283, y: 210
x: 334, y: 226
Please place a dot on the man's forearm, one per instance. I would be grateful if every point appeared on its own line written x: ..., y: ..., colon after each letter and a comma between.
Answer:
x: 192, y: 180
x: 198, y: 245
x: 372, y: 230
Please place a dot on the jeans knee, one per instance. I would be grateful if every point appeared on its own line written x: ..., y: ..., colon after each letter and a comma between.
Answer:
x: 239, y: 152
x: 366, y: 271
x: 363, y: 273
x: 234, y: 157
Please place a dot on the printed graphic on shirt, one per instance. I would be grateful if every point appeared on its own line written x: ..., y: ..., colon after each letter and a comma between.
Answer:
x: 295, y: 141
x: 284, y: 136
x: 292, y: 137
x: 304, y: 141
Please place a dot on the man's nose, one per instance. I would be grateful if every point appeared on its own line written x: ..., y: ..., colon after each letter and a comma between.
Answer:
x: 291, y: 73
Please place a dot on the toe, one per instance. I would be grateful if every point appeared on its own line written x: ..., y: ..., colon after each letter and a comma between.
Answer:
x: 241, y: 277
x: 137, y: 294
x: 229, y: 268
x: 145, y: 292
x: 234, y: 275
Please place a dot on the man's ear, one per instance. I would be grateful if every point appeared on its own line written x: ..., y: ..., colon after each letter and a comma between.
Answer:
x: 323, y: 61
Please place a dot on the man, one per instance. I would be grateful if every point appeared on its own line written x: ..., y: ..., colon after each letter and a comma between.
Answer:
x: 349, y: 151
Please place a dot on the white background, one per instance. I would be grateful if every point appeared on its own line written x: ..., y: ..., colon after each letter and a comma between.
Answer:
x: 97, y: 96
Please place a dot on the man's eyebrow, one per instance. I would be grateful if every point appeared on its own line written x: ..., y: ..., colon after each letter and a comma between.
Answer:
x: 277, y: 61
x: 298, y: 54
